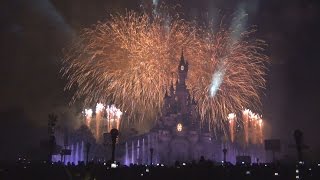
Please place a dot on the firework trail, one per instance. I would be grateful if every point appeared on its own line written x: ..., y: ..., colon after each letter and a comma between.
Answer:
x: 257, y: 128
x: 245, y: 117
x: 113, y: 117
x: 232, y: 119
x: 260, y: 131
x: 253, y: 127
x: 129, y: 61
x: 99, y: 116
x: 88, y: 115
x: 253, y: 135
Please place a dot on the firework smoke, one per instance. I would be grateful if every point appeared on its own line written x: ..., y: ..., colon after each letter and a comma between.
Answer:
x: 129, y: 61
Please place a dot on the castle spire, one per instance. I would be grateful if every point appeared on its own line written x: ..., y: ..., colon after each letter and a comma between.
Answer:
x: 182, y: 61
x: 182, y: 57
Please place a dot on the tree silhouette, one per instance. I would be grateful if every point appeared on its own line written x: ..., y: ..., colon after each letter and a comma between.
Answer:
x: 224, y: 150
x: 298, y: 137
x: 51, y: 129
x: 114, y: 135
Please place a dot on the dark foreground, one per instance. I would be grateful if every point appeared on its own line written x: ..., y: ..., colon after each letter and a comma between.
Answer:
x: 203, y: 170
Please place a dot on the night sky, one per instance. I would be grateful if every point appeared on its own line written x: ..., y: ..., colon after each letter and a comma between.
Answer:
x: 34, y: 32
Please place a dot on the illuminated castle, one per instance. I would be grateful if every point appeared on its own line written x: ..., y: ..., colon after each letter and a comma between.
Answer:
x: 177, y: 134
x: 180, y: 136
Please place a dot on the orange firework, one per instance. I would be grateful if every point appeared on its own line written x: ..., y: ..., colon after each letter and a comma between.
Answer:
x: 130, y: 60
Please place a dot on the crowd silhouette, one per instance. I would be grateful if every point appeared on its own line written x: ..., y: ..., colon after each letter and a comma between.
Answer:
x: 202, y: 169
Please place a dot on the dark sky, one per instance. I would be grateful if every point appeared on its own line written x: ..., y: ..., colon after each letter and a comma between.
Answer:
x: 33, y: 33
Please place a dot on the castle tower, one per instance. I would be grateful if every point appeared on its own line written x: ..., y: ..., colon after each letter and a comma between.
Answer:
x: 182, y: 93
x: 183, y: 70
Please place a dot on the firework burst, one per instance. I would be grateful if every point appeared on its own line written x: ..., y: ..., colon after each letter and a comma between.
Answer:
x: 131, y: 59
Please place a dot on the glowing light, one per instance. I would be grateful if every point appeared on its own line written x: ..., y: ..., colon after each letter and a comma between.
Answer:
x: 232, y: 116
x: 88, y: 112
x: 113, y: 165
x: 99, y: 107
x: 179, y: 127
